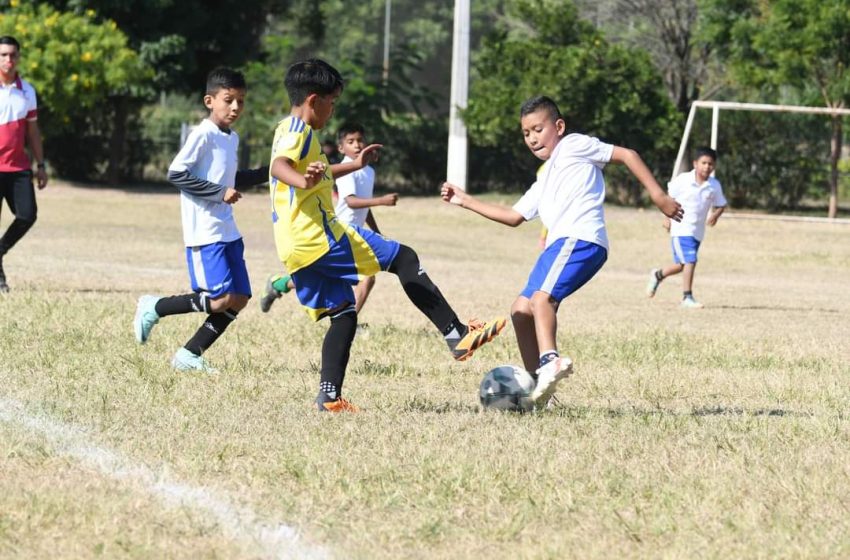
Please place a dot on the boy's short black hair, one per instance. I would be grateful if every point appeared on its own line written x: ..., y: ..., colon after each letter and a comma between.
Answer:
x: 9, y: 40
x: 311, y: 76
x: 705, y: 151
x: 349, y: 128
x: 224, y: 78
x: 540, y: 102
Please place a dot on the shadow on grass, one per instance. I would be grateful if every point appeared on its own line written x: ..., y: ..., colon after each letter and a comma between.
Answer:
x: 774, y: 308
x: 586, y: 411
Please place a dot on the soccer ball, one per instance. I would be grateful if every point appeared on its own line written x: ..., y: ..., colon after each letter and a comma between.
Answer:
x: 507, y: 388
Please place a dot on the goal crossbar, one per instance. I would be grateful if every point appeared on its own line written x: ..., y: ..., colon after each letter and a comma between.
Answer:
x: 715, y: 107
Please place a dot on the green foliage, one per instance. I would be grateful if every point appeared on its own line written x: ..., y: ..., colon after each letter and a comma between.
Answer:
x: 760, y: 170
x: 77, y: 65
x: 602, y: 89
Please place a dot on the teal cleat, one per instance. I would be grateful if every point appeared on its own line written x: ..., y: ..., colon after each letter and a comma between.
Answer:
x: 184, y: 360
x: 652, y: 285
x: 146, y: 318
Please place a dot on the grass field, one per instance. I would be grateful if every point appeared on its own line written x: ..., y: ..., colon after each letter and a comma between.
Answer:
x: 717, y: 433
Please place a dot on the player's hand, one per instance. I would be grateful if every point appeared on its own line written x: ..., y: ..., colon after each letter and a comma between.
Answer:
x: 231, y: 195
x: 314, y: 174
x: 453, y: 194
x: 389, y: 199
x: 712, y: 221
x: 368, y: 155
x: 666, y: 224
x: 669, y: 207
x: 41, y: 178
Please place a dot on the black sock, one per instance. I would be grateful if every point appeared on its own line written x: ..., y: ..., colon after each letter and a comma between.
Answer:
x: 423, y: 293
x: 687, y: 295
x: 659, y: 275
x: 209, y: 332
x: 186, y: 303
x: 336, y: 349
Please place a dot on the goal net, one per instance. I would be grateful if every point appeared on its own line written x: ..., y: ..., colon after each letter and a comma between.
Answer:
x: 773, y: 158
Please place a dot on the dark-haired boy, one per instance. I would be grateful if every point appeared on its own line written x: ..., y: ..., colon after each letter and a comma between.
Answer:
x: 567, y: 197
x: 205, y: 173
x: 701, y: 195
x: 326, y: 257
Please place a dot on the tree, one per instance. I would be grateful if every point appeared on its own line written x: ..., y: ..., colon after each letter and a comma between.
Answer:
x: 76, y: 64
x: 543, y: 47
x: 789, y: 48
x: 669, y: 31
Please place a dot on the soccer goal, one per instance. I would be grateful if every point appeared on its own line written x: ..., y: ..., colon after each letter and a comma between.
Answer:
x: 788, y: 136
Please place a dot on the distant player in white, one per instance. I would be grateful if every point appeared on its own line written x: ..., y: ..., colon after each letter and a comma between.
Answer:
x: 354, y: 204
x: 701, y: 196
x: 567, y: 197
x: 355, y: 192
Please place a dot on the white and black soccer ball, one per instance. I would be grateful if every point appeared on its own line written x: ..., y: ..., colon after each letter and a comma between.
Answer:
x: 507, y: 388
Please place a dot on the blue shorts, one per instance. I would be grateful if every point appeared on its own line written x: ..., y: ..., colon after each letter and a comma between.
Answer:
x: 219, y: 268
x: 565, y: 266
x: 684, y: 249
x: 327, y: 283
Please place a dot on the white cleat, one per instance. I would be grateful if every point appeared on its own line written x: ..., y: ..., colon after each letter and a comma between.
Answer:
x: 548, y: 377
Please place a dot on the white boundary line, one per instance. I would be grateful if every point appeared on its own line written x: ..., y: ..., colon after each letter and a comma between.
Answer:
x: 276, y: 540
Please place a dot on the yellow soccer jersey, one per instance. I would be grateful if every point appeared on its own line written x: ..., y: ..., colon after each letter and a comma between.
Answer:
x: 303, y: 218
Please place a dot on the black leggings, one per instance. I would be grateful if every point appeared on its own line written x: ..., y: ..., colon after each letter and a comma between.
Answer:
x: 421, y: 291
x: 17, y: 189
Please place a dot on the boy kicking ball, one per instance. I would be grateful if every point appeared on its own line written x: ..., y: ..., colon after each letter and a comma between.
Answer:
x: 567, y: 197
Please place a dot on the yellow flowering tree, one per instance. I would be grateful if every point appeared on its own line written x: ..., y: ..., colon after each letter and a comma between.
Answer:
x: 76, y: 64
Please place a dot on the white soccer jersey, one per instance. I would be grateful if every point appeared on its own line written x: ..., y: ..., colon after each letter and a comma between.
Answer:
x: 570, y: 191
x: 696, y: 201
x: 209, y: 154
x: 361, y: 184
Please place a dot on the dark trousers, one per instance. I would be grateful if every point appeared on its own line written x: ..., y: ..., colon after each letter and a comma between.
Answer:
x: 17, y: 189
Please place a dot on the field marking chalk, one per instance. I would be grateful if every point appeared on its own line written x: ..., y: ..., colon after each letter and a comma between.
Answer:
x: 277, y: 540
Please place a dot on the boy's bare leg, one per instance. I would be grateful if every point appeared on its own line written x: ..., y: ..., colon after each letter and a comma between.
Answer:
x: 544, y: 310
x: 526, y: 338
x: 362, y: 291
x: 672, y: 270
x: 688, y: 277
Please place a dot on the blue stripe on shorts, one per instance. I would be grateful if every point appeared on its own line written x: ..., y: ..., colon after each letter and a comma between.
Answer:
x: 326, y: 284
x: 565, y: 266
x: 219, y: 268
x: 684, y: 249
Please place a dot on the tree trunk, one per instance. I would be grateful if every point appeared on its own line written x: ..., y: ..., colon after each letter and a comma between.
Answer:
x: 117, y: 140
x: 834, y: 156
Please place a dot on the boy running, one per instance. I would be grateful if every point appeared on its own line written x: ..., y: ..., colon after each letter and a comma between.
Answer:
x: 326, y: 257
x: 701, y: 196
x: 568, y: 197
x: 205, y: 173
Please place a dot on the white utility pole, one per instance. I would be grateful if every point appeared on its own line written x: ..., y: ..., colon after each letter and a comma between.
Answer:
x: 387, y: 12
x: 456, y: 169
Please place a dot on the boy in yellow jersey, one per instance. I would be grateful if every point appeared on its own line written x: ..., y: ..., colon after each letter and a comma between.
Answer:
x: 325, y: 257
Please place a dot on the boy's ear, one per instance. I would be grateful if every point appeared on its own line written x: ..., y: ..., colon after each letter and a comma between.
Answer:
x: 561, y: 126
x: 208, y: 101
x: 310, y: 100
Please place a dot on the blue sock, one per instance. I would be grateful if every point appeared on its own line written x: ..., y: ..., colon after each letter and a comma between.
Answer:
x: 547, y: 357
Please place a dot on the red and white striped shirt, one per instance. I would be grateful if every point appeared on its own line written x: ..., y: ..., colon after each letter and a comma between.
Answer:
x: 17, y: 106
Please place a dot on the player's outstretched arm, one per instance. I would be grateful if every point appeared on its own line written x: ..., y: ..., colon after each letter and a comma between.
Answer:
x: 504, y: 215
x: 714, y: 215
x: 283, y: 170
x: 367, y: 155
x: 667, y: 204
x: 356, y: 202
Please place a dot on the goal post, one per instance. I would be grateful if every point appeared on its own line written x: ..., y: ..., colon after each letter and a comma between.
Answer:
x: 716, y: 106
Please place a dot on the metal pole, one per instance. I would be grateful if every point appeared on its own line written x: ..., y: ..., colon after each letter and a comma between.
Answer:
x: 715, y: 119
x: 387, y: 12
x: 457, y: 156
x: 684, y: 144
